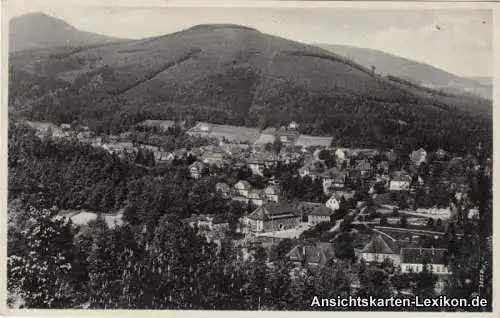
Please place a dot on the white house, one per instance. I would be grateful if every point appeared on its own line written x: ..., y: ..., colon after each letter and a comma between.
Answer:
x: 293, y: 125
x: 341, y: 154
x: 243, y: 187
x: 320, y: 214
x: 257, y: 196
x: 272, y: 193
x: 412, y: 260
x: 333, y: 203
x: 435, y: 213
x: 400, y: 182
x: 196, y: 169
x: 418, y: 156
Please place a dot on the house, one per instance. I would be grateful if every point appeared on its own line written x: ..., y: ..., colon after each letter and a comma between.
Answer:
x: 272, y: 193
x: 412, y: 260
x: 380, y: 248
x: 290, y: 156
x: 320, y: 214
x: 363, y: 167
x: 65, y: 127
x: 313, y: 169
x: 400, y: 181
x: 293, y: 125
x: 418, y: 156
x: 272, y: 217
x: 312, y: 255
x: 304, y: 208
x: 260, y: 160
x: 121, y: 148
x: 196, y: 169
x: 223, y: 188
x: 434, y: 213
x: 440, y: 154
x: 333, y: 179
x: 341, y: 154
x: 383, y: 167
x: 334, y: 202
x: 257, y: 196
x: 213, y: 158
x: 287, y: 136
x: 243, y: 188
x: 208, y: 222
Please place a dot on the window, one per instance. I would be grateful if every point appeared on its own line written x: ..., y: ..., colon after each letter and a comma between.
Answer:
x: 280, y: 227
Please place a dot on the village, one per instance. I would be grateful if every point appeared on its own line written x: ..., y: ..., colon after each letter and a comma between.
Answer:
x: 398, y: 211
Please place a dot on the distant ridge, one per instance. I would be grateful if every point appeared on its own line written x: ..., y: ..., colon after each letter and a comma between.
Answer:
x: 40, y: 31
x: 420, y: 73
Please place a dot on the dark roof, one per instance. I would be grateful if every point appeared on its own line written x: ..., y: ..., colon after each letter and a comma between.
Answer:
x: 306, y: 207
x: 272, y: 211
x: 380, y: 245
x: 312, y: 255
x: 322, y: 211
x: 334, y: 173
x: 401, y: 176
x: 418, y: 255
x: 362, y: 165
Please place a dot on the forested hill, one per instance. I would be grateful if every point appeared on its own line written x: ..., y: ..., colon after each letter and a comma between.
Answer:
x: 237, y: 75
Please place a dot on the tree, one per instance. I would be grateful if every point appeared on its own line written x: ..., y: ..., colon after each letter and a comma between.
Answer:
x: 344, y: 248
x: 383, y: 220
x: 277, y: 145
x: 44, y: 277
x: 403, y: 221
x: 430, y: 223
x: 279, y: 251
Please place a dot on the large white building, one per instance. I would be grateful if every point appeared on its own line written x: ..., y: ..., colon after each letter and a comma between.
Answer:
x: 412, y: 260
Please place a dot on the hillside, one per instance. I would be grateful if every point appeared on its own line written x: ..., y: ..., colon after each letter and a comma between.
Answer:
x: 231, y: 74
x: 38, y: 30
x: 420, y: 73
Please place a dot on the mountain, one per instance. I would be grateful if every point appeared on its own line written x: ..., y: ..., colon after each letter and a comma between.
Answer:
x: 237, y: 75
x: 38, y: 30
x: 485, y: 81
x: 420, y: 73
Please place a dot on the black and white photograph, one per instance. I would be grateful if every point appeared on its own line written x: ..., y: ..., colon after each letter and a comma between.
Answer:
x: 257, y: 157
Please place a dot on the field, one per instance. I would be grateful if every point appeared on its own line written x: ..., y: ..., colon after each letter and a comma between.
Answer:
x: 229, y: 132
x: 82, y: 218
x: 309, y: 141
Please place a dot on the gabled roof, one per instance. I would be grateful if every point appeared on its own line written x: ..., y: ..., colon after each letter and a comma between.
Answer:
x: 197, y: 165
x: 222, y: 186
x: 380, y: 245
x: 334, y: 173
x: 418, y: 255
x: 321, y: 211
x: 401, y: 176
x: 363, y: 165
x: 312, y: 255
x: 272, y: 211
x: 271, y: 189
x: 243, y: 183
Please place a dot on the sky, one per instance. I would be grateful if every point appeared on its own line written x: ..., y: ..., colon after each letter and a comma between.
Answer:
x: 463, y: 44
